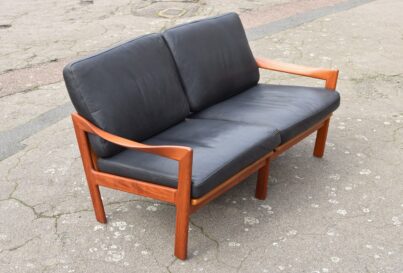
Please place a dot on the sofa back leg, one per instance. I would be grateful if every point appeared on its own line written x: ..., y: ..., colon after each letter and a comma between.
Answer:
x: 320, y: 142
x: 97, y: 203
x: 88, y: 163
x: 262, y: 181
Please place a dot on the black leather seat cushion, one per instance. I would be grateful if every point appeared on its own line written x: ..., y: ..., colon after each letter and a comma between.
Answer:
x: 131, y: 90
x: 214, y: 59
x: 220, y: 150
x: 290, y: 109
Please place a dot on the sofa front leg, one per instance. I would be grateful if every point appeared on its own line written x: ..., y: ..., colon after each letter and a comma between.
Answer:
x: 320, y: 142
x: 262, y: 181
x: 181, y: 231
x: 182, y: 203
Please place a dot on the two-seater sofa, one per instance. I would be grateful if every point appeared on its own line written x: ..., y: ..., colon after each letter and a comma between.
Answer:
x: 181, y: 116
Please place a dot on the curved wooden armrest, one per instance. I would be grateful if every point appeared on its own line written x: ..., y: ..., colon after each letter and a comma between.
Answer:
x: 329, y: 75
x: 173, y: 152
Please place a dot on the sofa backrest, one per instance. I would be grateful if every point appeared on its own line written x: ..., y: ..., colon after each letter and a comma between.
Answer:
x: 131, y: 90
x: 213, y: 58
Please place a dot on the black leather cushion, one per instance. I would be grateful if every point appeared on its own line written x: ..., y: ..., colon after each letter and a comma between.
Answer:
x: 220, y: 149
x: 131, y: 90
x: 290, y: 109
x: 213, y: 58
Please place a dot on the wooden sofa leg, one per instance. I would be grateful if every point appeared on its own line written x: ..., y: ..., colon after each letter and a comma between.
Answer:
x: 262, y: 181
x: 182, y: 203
x: 88, y: 159
x: 320, y: 142
x: 181, y: 233
x: 97, y: 202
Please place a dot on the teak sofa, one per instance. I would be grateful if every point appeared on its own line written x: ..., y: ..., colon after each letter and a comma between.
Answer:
x: 180, y: 116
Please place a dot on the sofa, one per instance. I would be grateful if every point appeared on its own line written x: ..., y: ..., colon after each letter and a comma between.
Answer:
x: 180, y: 116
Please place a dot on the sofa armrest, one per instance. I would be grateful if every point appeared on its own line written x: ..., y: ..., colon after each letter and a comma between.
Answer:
x: 184, y: 156
x: 173, y: 152
x: 329, y: 75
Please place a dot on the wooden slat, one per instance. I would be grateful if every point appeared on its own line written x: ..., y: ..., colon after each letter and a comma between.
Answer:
x: 146, y: 189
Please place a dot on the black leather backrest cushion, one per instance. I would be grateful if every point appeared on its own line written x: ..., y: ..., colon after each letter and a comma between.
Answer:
x: 132, y: 90
x: 214, y: 59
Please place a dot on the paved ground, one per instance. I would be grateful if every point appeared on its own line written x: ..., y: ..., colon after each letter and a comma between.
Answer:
x: 342, y: 213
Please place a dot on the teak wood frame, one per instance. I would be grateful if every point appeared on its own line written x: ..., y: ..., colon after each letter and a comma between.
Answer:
x: 181, y: 196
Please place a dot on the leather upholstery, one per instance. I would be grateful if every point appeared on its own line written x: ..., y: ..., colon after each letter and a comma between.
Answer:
x: 290, y: 109
x: 220, y: 150
x: 131, y: 90
x: 213, y: 58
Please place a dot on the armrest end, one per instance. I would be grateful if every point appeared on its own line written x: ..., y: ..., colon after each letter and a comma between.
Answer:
x: 329, y: 75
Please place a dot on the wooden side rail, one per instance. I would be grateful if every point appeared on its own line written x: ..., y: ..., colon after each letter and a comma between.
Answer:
x: 329, y: 75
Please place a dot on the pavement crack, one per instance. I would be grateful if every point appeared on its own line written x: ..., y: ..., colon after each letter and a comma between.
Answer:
x: 168, y: 267
x: 250, y: 251
x: 7, y: 177
x: 20, y: 245
x: 217, y: 244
